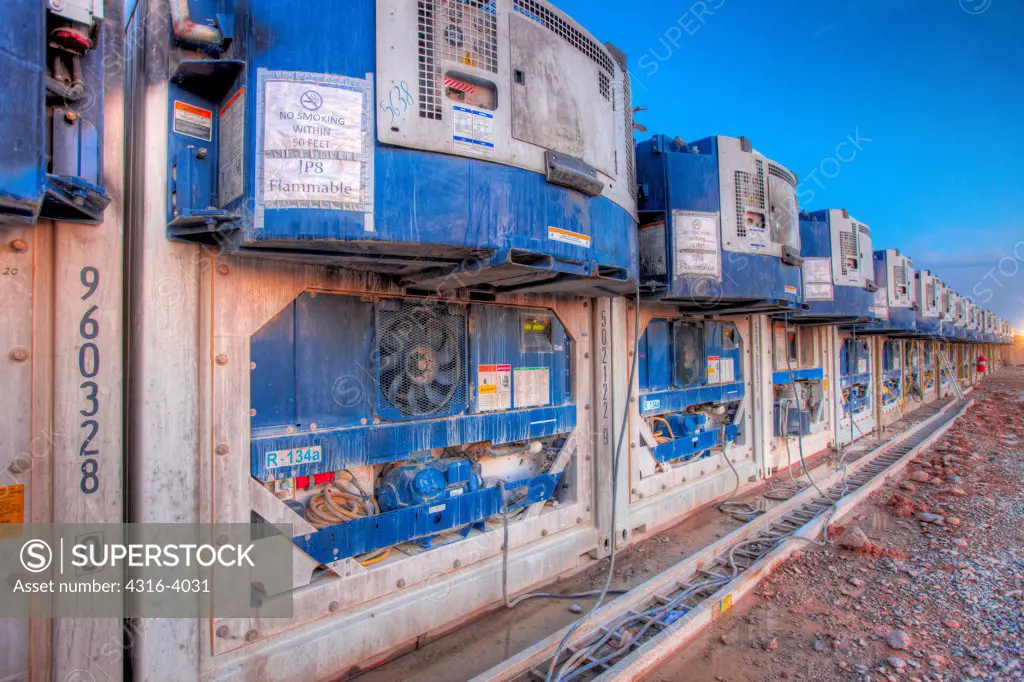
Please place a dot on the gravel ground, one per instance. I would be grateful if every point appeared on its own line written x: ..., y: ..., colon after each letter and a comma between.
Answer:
x: 930, y: 587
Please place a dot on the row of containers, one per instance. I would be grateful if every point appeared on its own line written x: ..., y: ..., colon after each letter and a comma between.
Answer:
x: 396, y: 284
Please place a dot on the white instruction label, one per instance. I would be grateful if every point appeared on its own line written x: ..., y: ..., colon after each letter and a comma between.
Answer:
x: 714, y: 373
x: 472, y: 130
x: 728, y: 370
x: 311, y: 116
x: 817, y: 270
x: 532, y: 386
x: 881, y: 306
x: 494, y: 387
x: 193, y: 121
x: 315, y: 150
x: 310, y: 180
x: 232, y: 148
x: 696, y: 251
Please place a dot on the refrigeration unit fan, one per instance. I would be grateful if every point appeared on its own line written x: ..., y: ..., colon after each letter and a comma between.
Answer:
x: 421, y: 351
x: 688, y: 339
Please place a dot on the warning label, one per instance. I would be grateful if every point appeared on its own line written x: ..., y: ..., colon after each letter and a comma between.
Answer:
x: 532, y: 386
x: 232, y: 148
x: 12, y: 503
x: 696, y: 249
x: 472, y: 130
x: 714, y: 375
x: 315, y: 149
x: 575, y: 238
x: 193, y: 121
x: 494, y: 387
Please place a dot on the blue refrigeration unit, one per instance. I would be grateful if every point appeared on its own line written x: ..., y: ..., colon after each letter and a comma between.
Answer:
x: 838, y: 269
x: 446, y: 144
x: 437, y: 417
x: 691, y: 383
x: 719, y: 227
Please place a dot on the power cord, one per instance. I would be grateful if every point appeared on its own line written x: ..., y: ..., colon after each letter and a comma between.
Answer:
x: 615, y: 481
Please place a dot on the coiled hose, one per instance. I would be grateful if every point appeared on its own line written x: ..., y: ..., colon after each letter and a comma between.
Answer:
x: 345, y: 500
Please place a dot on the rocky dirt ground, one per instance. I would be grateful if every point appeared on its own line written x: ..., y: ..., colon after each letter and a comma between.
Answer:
x: 929, y: 588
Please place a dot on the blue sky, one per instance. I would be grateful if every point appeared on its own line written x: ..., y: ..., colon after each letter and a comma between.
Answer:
x: 933, y: 89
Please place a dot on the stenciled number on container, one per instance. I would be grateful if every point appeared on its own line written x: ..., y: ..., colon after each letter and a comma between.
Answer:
x: 88, y: 368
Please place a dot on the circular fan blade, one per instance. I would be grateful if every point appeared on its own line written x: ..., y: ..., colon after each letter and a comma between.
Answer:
x: 446, y: 354
x: 390, y: 362
x: 445, y: 378
x: 393, y: 389
x: 414, y: 398
x: 437, y: 397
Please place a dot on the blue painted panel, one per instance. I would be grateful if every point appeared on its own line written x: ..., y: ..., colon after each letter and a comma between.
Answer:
x: 687, y: 178
x: 849, y: 304
x: 686, y: 447
x: 816, y: 234
x: 655, y: 362
x: 382, y: 443
x: 370, y: 533
x: 677, y: 400
x: 22, y: 111
x: 787, y: 377
x: 497, y: 340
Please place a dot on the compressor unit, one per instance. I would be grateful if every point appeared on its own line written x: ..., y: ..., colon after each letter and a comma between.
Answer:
x: 719, y: 228
x: 435, y: 417
x: 691, y: 386
x: 838, y: 269
x: 449, y: 144
x: 52, y: 102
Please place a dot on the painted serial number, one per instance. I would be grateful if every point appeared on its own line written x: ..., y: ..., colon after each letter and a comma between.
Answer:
x: 88, y: 368
x: 277, y: 459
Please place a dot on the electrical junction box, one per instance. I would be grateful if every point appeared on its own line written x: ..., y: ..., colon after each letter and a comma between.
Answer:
x: 51, y: 112
x: 719, y: 228
x: 450, y: 144
x: 838, y: 271
x: 437, y: 417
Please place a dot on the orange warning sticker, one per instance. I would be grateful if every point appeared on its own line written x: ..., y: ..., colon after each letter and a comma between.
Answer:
x: 12, y: 503
x: 193, y: 121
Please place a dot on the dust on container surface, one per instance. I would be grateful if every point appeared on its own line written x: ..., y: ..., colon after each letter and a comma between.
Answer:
x: 447, y: 143
x: 719, y: 226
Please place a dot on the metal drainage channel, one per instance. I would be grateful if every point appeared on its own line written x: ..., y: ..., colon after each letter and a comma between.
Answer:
x: 604, y: 648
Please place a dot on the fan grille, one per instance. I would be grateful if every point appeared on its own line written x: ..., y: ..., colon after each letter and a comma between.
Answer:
x: 688, y: 344
x: 421, y: 358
